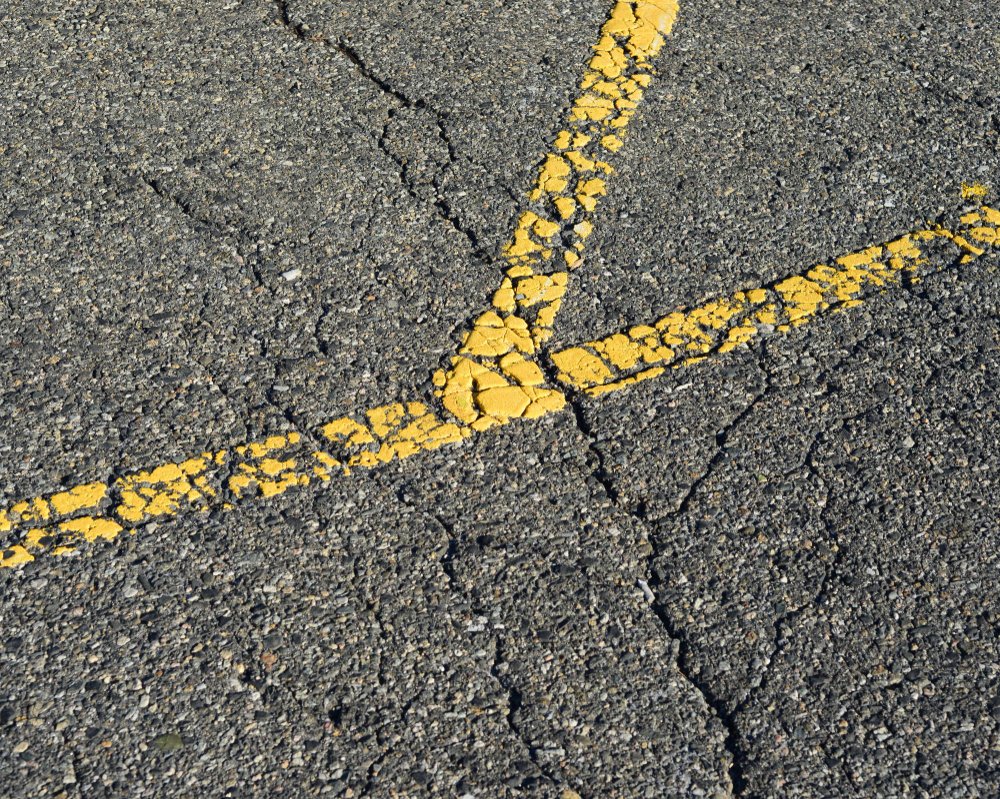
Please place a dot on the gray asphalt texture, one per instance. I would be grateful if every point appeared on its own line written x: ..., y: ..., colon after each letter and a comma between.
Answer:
x: 773, y: 575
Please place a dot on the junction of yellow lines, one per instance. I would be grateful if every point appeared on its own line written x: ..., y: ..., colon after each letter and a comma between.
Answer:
x: 495, y: 377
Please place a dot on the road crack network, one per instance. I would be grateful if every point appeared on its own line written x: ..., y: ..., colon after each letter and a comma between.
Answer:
x: 738, y: 756
x: 440, y: 204
x: 498, y: 671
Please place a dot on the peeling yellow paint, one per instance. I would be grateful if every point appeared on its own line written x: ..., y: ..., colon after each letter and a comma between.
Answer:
x: 974, y: 191
x: 686, y: 337
x: 495, y: 377
x: 91, y: 529
x: 85, y: 497
x: 548, y: 238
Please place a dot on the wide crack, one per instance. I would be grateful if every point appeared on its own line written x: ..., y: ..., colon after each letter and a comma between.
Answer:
x: 738, y: 757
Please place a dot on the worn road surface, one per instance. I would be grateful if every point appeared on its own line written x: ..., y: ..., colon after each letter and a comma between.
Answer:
x: 499, y: 399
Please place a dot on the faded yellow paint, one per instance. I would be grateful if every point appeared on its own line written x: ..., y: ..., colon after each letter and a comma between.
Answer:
x: 974, y: 191
x: 802, y: 298
x: 686, y: 337
x: 166, y: 489
x: 91, y: 529
x: 85, y: 497
x: 548, y: 238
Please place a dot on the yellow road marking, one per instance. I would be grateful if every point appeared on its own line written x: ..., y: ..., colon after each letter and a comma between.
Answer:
x: 56, y: 524
x: 685, y: 337
x: 496, y: 377
x: 974, y: 191
x: 492, y: 379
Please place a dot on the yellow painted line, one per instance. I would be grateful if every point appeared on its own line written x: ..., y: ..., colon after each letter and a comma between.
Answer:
x: 56, y: 524
x: 687, y: 336
x: 496, y: 377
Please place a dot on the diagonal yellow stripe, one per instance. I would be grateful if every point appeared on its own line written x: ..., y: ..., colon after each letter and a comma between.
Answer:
x: 718, y: 326
x: 494, y: 376
x: 56, y: 524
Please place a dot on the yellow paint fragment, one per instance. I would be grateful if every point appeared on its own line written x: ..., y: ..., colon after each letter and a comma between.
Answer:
x: 578, y: 367
x: 549, y: 236
x: 974, y: 191
x: 85, y: 497
x: 612, y: 142
x: 566, y: 206
x: 92, y: 528
x: 32, y: 510
x: 17, y: 555
x: 738, y: 336
x: 802, y: 297
x: 159, y: 492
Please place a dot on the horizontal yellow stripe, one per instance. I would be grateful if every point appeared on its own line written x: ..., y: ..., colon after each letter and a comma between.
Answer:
x: 721, y: 325
x: 57, y: 523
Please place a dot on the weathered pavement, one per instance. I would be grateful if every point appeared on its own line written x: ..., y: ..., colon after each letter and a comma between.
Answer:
x: 767, y: 573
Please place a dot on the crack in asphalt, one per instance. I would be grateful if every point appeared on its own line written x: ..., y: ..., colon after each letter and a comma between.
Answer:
x: 515, y: 699
x: 738, y: 756
x: 245, y: 245
x: 442, y: 207
x: 784, y: 624
x: 726, y: 714
x: 515, y: 702
x: 720, y: 439
x: 186, y: 208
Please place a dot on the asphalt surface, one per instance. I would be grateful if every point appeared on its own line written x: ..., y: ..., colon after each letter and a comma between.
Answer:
x: 772, y: 574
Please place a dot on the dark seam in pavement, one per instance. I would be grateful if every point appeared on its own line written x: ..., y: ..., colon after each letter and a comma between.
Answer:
x: 208, y: 376
x: 738, y: 757
x: 228, y: 231
x: 720, y: 441
x: 306, y: 431
x: 945, y: 93
x: 736, y: 771
x: 445, y: 209
x: 188, y: 210
x: 732, y: 743
x: 370, y: 776
x: 401, y: 164
x: 448, y: 558
x: 322, y: 345
x: 515, y: 701
x: 239, y: 238
x: 441, y: 206
x: 831, y: 573
x: 599, y: 469
x: 785, y: 620
x: 251, y: 260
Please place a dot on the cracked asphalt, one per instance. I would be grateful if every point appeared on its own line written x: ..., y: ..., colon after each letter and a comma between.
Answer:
x: 772, y: 574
